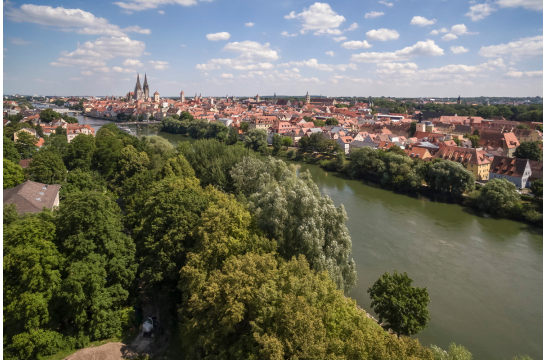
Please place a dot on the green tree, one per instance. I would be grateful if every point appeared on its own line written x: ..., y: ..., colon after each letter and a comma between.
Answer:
x: 80, y: 152
x: 47, y: 167
x: 287, y: 141
x: 486, y: 112
x: 449, y: 177
x: 100, y: 266
x: 539, y: 128
x: 244, y: 126
x: 474, y: 141
x: 10, y: 214
x: 331, y: 121
x: 537, y: 189
x: 151, y: 117
x: 304, y: 143
x: 455, y: 352
x: 177, y: 166
x: 13, y: 174
x: 529, y: 150
x: 276, y: 143
x: 32, y: 276
x: 476, y: 132
x: 523, y: 126
x: 256, y: 139
x: 232, y: 139
x: 291, y: 210
x: 10, y: 151
x: 48, y: 115
x: 79, y: 180
x: 402, y: 306
x: 250, y: 107
x: 498, y: 196
x: 57, y: 142
x: 318, y: 123
x: 26, y: 144
x: 457, y: 141
x: 130, y: 163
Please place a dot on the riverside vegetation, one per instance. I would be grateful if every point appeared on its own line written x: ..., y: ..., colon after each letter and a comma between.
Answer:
x: 245, y: 256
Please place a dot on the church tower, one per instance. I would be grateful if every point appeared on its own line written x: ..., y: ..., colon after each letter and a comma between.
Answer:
x: 459, y: 100
x: 146, y: 87
x: 156, y: 96
x: 307, y: 99
x: 182, y: 97
x: 257, y: 98
x: 138, y: 89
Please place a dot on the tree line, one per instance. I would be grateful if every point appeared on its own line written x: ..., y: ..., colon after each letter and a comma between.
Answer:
x: 245, y: 257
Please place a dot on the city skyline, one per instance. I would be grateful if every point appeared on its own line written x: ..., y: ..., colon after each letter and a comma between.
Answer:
x: 380, y: 48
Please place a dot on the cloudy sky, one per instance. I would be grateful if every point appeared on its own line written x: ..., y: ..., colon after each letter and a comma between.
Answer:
x: 225, y: 47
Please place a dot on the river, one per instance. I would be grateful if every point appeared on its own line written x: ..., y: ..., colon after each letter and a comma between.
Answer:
x: 484, y: 275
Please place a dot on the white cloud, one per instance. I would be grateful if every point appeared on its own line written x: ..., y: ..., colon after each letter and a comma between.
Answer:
x: 422, y: 21
x: 250, y: 52
x: 356, y: 44
x: 19, y: 41
x: 161, y: 12
x: 132, y: 62
x: 437, y: 32
x: 319, y: 18
x: 121, y: 70
x: 386, y: 3
x: 527, y: 4
x: 449, y: 37
x: 285, y: 33
x: 480, y: 11
x: 519, y: 74
x: 103, y: 69
x: 86, y: 72
x: 340, y: 38
x: 218, y: 36
x: 373, y: 14
x: 530, y: 46
x: 226, y: 76
x: 382, y: 35
x: 397, y: 68
x: 95, y: 53
x: 159, y: 65
x: 137, y: 5
x: 313, y: 63
x: 330, y: 53
x: 68, y: 19
x: 352, y: 27
x: 458, y: 49
x: 421, y: 48
x: 459, y: 29
x: 249, y: 24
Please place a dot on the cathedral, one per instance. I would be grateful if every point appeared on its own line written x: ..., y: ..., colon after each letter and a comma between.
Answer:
x: 139, y: 92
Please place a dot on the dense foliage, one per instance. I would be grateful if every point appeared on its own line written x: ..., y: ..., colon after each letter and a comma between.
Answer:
x: 530, y: 150
x: 13, y: 174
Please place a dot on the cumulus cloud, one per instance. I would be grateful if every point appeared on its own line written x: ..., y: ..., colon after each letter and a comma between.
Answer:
x: 82, y: 22
x: 313, y: 63
x: 161, y: 12
x: 95, y: 53
x: 249, y: 24
x: 437, y: 32
x: 421, y: 48
x: 458, y: 49
x: 530, y: 46
x: 526, y: 4
x: 285, y: 33
x: 138, y: 5
x: 103, y: 69
x: 480, y: 11
x: 396, y: 68
x: 459, y: 29
x: 226, y: 76
x: 132, y: 63
x: 386, y: 3
x: 159, y: 65
x: 19, y: 41
x: 422, y: 21
x: 449, y: 37
x: 340, y: 38
x: 86, y: 72
x: 122, y: 70
x: 319, y: 18
x: 356, y: 44
x: 218, y: 36
x: 373, y: 14
x: 382, y: 35
x: 250, y: 53
x: 519, y: 74
x: 330, y: 53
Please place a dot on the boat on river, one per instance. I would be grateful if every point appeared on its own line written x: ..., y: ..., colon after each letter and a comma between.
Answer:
x: 125, y: 129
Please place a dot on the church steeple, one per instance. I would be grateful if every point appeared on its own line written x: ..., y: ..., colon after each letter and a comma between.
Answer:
x: 146, y: 86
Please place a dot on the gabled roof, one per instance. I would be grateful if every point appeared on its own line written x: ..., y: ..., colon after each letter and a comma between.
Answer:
x: 504, y: 165
x: 31, y: 196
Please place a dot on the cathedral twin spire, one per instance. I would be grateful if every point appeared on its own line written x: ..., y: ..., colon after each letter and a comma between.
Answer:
x: 140, y: 93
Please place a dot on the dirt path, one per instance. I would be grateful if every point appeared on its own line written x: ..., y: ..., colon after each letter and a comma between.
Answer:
x: 110, y: 351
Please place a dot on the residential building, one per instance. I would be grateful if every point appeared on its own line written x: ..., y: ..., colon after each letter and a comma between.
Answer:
x: 474, y: 160
x: 32, y: 197
x: 514, y: 170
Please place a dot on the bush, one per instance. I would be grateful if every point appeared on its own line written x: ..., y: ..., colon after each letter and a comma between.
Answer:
x: 281, y: 153
x: 291, y: 154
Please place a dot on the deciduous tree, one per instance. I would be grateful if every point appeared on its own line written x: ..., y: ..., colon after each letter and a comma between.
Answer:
x: 529, y: 150
x: 47, y: 167
x: 13, y: 174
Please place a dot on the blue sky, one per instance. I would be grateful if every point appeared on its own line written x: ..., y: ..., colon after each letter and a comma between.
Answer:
x: 365, y: 48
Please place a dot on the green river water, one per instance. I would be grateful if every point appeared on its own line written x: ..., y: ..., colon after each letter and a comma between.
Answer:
x: 484, y: 275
